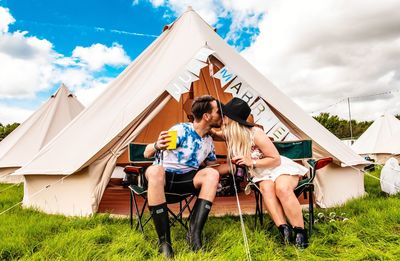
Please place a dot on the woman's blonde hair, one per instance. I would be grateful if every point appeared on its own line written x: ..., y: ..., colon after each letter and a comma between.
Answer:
x: 239, y: 139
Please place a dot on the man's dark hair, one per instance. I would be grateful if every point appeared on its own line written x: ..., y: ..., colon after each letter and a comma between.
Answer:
x: 201, y: 105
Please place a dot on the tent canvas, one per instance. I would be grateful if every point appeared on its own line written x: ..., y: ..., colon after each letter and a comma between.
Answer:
x: 381, y: 140
x: 136, y: 106
x: 21, y: 145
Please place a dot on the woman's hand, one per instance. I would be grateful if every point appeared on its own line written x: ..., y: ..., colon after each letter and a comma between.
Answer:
x: 243, y: 161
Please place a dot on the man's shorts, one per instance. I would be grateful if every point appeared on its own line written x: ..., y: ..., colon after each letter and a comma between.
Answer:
x: 180, y: 183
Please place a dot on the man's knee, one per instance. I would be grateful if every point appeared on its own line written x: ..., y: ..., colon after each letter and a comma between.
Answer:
x: 210, y: 176
x: 155, y: 174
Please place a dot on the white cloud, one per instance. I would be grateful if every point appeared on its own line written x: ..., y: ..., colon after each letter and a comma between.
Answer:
x: 98, y: 55
x: 29, y: 65
x: 85, y: 85
x: 157, y: 3
x: 25, y: 62
x: 135, y: 2
x: 320, y: 52
x: 25, y: 65
x: 10, y: 114
x: 86, y: 95
x: 244, y: 14
x: 5, y: 19
x: 317, y: 52
x: 75, y: 78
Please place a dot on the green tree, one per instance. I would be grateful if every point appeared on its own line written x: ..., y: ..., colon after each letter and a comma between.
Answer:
x: 340, y: 127
x: 7, y: 129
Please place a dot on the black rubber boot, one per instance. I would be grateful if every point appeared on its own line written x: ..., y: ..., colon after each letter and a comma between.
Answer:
x: 161, y: 222
x: 286, y: 233
x: 199, y: 217
x: 300, y: 237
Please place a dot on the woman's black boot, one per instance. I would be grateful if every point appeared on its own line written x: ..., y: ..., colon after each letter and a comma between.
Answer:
x: 286, y: 233
x: 300, y: 237
x: 159, y: 214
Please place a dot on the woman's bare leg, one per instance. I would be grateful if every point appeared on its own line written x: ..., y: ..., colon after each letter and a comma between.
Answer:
x: 284, y: 188
x: 271, y: 202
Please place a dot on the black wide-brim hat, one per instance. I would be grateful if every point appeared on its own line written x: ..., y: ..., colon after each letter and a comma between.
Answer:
x: 237, y: 110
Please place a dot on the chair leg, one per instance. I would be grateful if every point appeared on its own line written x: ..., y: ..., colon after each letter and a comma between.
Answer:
x: 311, y: 210
x: 259, y: 208
x: 139, y: 215
x: 130, y: 208
x: 188, y: 206
x: 178, y: 217
x: 142, y: 214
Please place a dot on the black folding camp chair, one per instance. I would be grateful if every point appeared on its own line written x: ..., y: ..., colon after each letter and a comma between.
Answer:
x: 296, y: 150
x: 138, y: 188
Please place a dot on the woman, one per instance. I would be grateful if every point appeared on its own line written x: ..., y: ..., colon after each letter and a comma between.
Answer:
x: 277, y: 175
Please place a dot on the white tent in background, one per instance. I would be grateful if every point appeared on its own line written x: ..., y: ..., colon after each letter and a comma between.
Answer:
x: 381, y: 140
x: 76, y: 166
x: 19, y: 147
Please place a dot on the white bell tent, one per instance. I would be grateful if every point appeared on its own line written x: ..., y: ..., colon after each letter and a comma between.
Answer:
x: 381, y: 140
x: 70, y: 174
x: 21, y: 145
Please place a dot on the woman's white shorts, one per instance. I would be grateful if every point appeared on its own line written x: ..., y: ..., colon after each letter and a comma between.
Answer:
x: 288, y: 167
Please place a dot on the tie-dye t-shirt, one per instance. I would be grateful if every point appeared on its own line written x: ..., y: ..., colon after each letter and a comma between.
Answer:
x: 191, y: 150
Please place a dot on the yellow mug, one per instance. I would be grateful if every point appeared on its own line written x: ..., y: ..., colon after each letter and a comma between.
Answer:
x: 173, y: 137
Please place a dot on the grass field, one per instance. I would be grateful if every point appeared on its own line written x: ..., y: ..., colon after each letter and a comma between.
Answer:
x: 370, y: 231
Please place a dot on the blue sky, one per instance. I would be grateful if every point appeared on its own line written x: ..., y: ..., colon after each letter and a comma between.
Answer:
x: 131, y: 26
x: 70, y: 23
x: 306, y: 48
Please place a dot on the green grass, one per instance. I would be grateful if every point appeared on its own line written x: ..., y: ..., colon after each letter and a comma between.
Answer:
x: 372, y: 232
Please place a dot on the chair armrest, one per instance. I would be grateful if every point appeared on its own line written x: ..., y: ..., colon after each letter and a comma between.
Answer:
x: 134, y: 175
x: 316, y: 165
x: 320, y: 163
x: 133, y: 170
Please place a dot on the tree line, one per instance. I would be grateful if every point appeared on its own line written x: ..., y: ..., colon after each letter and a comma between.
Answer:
x: 339, y: 127
x: 7, y: 129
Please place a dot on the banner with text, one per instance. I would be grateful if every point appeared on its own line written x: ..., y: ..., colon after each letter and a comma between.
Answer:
x: 278, y: 132
x: 181, y: 84
x: 260, y: 110
x: 225, y: 75
x: 242, y: 90
x: 263, y: 115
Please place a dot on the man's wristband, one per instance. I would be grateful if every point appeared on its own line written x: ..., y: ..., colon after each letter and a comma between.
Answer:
x: 155, y: 146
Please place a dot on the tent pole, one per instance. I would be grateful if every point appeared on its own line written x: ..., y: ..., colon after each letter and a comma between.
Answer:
x: 351, y: 129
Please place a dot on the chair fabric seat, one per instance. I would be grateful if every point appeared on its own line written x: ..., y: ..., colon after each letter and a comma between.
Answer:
x: 301, y: 186
x: 137, y: 190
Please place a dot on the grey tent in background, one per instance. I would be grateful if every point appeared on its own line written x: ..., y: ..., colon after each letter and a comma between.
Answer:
x: 76, y: 166
x: 19, y: 147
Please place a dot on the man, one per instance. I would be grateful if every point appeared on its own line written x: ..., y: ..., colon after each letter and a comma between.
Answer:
x: 180, y: 172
